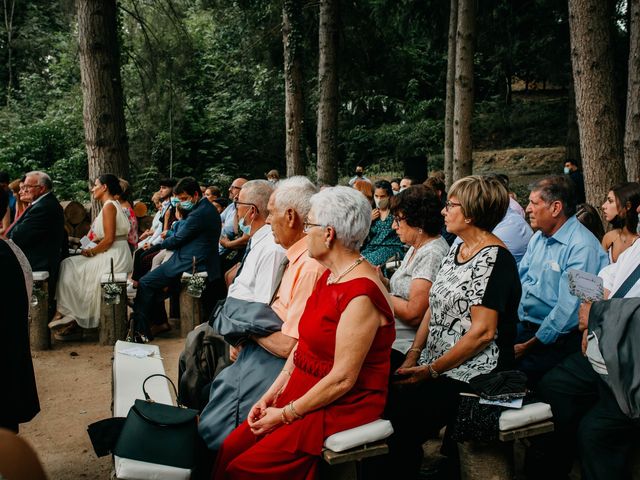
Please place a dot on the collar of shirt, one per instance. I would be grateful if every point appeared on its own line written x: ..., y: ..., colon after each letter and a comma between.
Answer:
x: 38, y: 199
x: 565, y: 232
x: 295, y: 251
x: 260, y: 234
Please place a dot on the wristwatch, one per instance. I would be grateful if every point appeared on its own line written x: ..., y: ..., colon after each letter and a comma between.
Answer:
x: 432, y: 371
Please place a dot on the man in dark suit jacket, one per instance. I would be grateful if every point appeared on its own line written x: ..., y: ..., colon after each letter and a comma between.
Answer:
x: 198, y: 238
x: 39, y: 232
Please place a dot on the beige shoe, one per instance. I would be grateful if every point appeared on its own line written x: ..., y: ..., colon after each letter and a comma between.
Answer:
x: 60, y: 322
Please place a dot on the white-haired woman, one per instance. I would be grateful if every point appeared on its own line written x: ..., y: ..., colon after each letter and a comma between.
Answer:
x: 336, y: 377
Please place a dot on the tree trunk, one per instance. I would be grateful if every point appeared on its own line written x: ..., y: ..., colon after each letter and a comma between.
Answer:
x: 294, y: 104
x: 103, y: 113
x: 463, y: 104
x: 573, y: 136
x: 9, y: 9
x: 591, y: 59
x: 632, y: 122
x: 327, y: 133
x: 451, y: 78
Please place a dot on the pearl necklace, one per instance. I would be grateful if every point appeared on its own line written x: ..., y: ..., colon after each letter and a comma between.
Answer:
x: 331, y: 279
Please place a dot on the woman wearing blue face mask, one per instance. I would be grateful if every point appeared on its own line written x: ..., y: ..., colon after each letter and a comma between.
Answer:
x: 382, y: 242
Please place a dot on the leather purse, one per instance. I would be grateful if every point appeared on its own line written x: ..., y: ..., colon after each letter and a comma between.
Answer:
x: 159, y: 433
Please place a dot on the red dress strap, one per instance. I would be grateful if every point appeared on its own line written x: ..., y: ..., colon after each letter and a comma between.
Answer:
x: 358, y: 287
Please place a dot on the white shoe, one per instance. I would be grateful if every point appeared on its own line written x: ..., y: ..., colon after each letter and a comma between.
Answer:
x: 60, y: 322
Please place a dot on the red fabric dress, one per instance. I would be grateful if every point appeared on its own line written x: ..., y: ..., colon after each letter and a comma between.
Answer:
x: 292, y: 451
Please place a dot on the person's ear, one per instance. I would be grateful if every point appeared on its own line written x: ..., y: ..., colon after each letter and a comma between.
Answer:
x: 290, y: 216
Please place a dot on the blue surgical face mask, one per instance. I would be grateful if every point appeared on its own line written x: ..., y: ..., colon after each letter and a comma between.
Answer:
x: 567, y: 170
x: 174, y: 201
x: 245, y: 229
x: 187, y: 204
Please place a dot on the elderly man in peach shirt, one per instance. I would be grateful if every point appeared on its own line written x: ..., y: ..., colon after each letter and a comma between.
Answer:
x: 288, y: 207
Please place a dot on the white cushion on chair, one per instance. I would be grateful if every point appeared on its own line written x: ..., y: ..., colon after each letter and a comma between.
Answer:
x: 120, y: 277
x: 527, y: 415
x: 40, y: 276
x: 127, y: 469
x: 354, y: 437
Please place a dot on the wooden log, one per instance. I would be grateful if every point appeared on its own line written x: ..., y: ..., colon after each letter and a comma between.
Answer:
x: 144, y: 223
x: 140, y: 208
x: 191, y: 309
x: 82, y: 229
x: 113, y: 317
x: 69, y: 229
x: 39, y: 335
x: 486, y: 460
x: 74, y: 212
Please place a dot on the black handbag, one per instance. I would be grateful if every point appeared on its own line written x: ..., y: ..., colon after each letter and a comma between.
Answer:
x: 159, y: 433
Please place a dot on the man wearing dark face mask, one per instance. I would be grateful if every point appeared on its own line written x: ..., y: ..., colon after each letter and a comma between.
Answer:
x: 359, y: 176
x: 194, y: 239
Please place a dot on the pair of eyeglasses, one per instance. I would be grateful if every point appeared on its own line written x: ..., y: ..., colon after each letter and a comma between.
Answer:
x: 398, y: 218
x: 28, y: 187
x: 306, y: 226
x: 448, y: 205
x: 238, y: 202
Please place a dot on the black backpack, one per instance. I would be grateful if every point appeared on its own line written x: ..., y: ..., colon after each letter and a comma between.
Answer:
x: 205, y: 355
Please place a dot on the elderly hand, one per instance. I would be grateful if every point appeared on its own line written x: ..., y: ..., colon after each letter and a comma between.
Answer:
x: 412, y: 375
x: 257, y: 412
x: 271, y: 418
x: 583, y: 315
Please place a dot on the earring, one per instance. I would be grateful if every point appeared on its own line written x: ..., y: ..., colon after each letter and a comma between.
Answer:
x: 467, y: 220
x: 420, y: 231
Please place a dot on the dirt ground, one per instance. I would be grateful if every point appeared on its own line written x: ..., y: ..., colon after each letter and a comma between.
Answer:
x: 74, y: 386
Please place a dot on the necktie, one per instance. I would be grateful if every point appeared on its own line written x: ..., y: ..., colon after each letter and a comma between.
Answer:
x: 281, y: 269
x: 246, y: 252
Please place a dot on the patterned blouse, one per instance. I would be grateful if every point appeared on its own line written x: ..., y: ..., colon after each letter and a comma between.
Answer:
x: 490, y: 278
x: 382, y: 242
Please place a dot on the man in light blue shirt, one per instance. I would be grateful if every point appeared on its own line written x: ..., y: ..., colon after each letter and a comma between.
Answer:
x: 228, y: 218
x: 548, y: 327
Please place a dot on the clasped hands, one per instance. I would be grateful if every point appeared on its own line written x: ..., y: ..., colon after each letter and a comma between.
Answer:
x: 264, y: 417
x: 409, y: 372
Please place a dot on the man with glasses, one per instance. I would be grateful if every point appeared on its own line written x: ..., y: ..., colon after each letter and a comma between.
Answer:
x: 232, y: 243
x: 39, y: 232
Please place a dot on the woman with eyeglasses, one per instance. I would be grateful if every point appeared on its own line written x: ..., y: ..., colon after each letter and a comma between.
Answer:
x: 79, y: 291
x: 417, y: 222
x: 336, y: 377
x: 469, y: 328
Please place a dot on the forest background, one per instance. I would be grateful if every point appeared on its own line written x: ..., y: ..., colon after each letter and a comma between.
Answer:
x: 204, y: 85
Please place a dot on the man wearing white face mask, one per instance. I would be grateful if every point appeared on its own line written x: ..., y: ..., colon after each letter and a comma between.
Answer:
x: 255, y: 277
x: 193, y: 240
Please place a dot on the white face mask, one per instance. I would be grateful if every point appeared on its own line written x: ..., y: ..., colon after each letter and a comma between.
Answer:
x: 567, y: 170
x: 382, y: 203
x: 402, y: 189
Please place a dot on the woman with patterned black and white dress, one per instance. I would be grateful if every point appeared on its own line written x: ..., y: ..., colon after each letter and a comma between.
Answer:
x: 469, y: 328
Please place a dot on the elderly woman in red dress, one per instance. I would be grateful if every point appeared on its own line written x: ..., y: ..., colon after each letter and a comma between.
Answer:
x: 336, y: 377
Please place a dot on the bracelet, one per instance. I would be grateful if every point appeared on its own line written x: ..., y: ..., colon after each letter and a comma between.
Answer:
x: 284, y: 418
x: 293, y: 411
x: 415, y: 349
x: 288, y: 372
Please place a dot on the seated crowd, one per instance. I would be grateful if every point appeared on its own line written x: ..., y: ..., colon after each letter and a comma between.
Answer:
x: 325, y: 337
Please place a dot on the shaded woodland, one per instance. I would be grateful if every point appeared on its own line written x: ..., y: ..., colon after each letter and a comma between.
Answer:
x: 217, y: 88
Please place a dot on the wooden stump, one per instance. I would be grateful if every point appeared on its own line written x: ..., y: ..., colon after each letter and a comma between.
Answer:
x: 39, y: 335
x: 113, y: 318
x: 140, y: 208
x: 344, y: 465
x: 191, y: 309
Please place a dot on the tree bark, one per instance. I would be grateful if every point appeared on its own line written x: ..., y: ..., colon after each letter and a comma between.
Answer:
x: 632, y: 122
x: 327, y: 133
x: 293, y: 82
x: 592, y: 65
x: 573, y: 135
x: 463, y: 104
x: 8, y: 23
x: 449, y: 102
x: 103, y: 113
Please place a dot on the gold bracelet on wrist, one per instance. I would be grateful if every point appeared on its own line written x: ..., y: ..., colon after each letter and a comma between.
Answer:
x: 415, y: 349
x: 284, y: 418
x: 293, y: 411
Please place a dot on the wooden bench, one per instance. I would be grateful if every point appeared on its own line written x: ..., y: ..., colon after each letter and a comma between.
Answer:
x: 128, y: 374
x: 493, y: 460
x: 113, y: 317
x: 344, y: 450
x: 191, y: 308
x: 39, y: 334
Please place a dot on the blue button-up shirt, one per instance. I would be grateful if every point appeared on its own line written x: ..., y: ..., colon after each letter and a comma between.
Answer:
x: 546, y: 300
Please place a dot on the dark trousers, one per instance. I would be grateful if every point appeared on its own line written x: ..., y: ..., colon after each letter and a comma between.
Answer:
x: 588, y: 421
x: 142, y: 261
x: 151, y: 293
x: 542, y: 358
x: 415, y: 411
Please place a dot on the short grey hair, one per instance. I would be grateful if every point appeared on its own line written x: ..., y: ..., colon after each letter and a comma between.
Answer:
x: 295, y: 192
x: 43, y: 179
x: 258, y: 193
x: 347, y: 211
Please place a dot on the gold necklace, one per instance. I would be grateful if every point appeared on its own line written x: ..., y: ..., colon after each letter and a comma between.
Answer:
x: 470, y: 251
x: 331, y: 279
